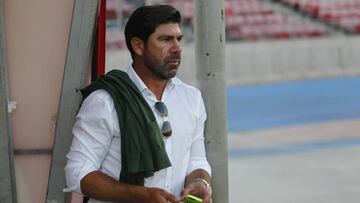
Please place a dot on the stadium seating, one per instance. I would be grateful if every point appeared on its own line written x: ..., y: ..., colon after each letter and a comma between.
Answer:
x: 254, y: 19
x: 344, y: 14
x: 250, y: 20
x: 115, y: 38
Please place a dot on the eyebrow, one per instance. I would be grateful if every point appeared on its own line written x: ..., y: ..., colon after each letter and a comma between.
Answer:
x: 170, y: 36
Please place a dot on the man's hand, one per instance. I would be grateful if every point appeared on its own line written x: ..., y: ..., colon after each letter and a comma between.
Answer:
x: 157, y: 195
x: 100, y: 186
x: 198, y: 189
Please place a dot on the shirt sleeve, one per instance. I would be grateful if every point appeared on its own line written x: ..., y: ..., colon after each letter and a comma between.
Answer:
x: 197, y: 154
x: 93, y: 131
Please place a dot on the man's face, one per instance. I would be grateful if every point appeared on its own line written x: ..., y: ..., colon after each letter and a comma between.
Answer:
x: 162, y: 54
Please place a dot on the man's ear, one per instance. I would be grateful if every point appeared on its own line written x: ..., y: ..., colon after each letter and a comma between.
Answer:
x: 137, y: 45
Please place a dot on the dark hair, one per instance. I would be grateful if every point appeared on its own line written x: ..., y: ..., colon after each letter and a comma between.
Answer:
x: 144, y: 20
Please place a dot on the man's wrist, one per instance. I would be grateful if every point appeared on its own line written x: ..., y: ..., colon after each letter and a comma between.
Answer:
x: 205, y: 182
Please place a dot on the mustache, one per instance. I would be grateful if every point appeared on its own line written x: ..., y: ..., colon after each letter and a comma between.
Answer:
x: 174, y: 56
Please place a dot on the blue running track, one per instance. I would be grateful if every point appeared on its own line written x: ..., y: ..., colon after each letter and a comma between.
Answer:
x: 259, y: 107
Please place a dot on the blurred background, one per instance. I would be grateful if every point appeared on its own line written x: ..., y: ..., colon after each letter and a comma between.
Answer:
x: 293, y: 92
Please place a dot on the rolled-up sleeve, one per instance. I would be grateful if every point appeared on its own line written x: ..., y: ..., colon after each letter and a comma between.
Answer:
x: 93, y: 131
x: 197, y: 154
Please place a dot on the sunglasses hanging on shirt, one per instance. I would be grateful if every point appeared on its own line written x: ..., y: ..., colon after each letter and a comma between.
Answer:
x: 163, y: 111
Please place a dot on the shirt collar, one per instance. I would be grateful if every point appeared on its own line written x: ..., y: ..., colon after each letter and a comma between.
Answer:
x: 136, y: 79
x: 141, y: 85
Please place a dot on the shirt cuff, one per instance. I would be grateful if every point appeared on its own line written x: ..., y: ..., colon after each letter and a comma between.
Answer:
x: 73, y: 182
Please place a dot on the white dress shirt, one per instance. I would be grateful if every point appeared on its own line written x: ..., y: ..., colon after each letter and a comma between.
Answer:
x: 96, y: 141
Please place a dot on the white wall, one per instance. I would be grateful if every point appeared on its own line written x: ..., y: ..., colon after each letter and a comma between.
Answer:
x: 275, y: 61
x: 272, y: 61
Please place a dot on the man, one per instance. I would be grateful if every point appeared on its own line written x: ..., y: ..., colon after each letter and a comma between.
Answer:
x: 111, y: 140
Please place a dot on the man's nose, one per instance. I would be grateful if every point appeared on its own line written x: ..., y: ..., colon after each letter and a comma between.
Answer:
x: 176, y: 46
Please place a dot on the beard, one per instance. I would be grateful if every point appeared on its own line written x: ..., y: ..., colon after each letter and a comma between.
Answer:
x: 164, y: 69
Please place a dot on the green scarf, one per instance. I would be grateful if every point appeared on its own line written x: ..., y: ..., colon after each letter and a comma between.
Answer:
x: 142, y: 147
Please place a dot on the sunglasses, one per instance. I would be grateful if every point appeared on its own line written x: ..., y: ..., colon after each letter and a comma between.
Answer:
x: 163, y: 111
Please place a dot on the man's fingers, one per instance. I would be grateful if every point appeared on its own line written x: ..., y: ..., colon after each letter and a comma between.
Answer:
x: 197, y: 190
x: 185, y: 192
x: 170, y: 197
x: 207, y: 199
